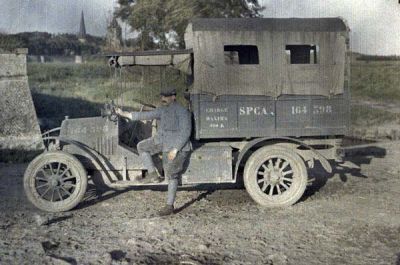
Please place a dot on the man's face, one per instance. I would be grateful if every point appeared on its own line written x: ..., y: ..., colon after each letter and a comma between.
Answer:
x: 167, y: 100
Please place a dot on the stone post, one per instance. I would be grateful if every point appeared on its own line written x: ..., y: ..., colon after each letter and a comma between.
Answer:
x: 78, y: 59
x: 19, y: 128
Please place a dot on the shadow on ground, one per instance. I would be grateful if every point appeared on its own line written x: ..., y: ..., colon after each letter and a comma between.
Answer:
x: 355, y: 158
x: 359, y: 156
x: 51, y: 110
x: 17, y: 155
x: 94, y: 196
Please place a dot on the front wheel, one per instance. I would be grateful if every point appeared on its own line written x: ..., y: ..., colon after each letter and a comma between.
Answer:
x: 275, y: 176
x: 55, y: 181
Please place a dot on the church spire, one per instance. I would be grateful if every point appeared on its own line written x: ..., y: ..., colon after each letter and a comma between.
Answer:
x: 82, y: 28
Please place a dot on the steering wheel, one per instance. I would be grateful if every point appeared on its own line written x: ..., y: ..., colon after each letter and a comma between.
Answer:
x: 109, y: 111
x: 134, y: 124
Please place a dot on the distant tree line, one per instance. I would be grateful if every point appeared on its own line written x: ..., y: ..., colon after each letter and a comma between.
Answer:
x: 157, y: 24
x: 364, y: 57
x: 43, y: 43
x: 162, y: 24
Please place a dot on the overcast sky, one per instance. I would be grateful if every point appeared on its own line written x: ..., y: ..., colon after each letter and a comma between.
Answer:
x: 375, y: 24
x: 54, y: 15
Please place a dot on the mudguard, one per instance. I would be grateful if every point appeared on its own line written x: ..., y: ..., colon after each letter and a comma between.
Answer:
x: 324, y: 162
x: 95, y: 158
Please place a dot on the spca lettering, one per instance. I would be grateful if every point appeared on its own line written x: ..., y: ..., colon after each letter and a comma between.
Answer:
x: 258, y: 110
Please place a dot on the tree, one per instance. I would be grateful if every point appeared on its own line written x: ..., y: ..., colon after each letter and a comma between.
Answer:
x: 43, y: 43
x: 154, y: 19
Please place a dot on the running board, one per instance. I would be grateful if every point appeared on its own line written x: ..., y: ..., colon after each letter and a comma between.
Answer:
x: 131, y: 183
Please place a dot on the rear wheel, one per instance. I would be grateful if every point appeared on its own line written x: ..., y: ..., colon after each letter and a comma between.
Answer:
x: 55, y: 181
x: 275, y: 176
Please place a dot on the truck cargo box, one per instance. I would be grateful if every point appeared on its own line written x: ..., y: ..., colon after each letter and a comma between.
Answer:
x: 259, y: 116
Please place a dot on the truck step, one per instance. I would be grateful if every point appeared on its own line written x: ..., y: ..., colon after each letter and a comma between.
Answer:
x: 128, y: 183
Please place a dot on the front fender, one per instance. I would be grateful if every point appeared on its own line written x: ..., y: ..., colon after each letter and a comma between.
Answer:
x: 97, y: 160
x: 271, y: 140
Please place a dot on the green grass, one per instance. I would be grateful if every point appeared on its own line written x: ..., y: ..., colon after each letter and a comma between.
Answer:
x: 367, y: 116
x: 379, y: 81
x: 97, y: 81
x: 48, y: 72
x: 79, y: 90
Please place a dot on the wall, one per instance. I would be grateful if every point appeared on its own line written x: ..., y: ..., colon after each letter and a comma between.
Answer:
x: 19, y: 127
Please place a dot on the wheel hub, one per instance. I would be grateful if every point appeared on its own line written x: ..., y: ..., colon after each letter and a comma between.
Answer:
x: 274, y: 177
x: 54, y: 182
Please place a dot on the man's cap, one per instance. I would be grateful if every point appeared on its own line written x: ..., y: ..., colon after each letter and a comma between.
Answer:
x: 168, y: 91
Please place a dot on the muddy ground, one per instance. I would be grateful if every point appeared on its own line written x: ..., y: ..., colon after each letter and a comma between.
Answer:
x: 348, y: 217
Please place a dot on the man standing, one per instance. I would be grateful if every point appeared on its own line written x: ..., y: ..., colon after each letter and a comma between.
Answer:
x: 172, y: 139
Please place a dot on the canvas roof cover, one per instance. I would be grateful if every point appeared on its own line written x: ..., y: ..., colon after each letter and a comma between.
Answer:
x: 179, y: 59
x: 269, y: 24
x: 274, y: 74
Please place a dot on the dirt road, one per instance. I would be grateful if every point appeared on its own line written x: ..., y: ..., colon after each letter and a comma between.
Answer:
x: 348, y: 217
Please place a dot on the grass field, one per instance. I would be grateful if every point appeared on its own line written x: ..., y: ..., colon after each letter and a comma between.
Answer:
x: 364, y: 115
x: 97, y: 82
x: 79, y: 90
x: 378, y: 80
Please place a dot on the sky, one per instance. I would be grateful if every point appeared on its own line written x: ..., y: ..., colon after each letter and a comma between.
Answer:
x: 374, y: 24
x: 55, y: 16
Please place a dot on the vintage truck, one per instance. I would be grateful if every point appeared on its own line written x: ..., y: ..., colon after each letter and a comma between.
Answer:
x: 269, y: 98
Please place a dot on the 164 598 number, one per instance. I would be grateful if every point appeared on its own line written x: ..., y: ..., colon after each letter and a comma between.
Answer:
x: 296, y: 110
x: 322, y: 109
x: 317, y: 109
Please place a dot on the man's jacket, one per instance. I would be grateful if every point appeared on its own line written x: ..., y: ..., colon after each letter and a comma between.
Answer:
x: 175, y: 126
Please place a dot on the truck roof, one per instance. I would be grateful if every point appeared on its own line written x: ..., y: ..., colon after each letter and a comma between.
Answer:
x: 332, y: 24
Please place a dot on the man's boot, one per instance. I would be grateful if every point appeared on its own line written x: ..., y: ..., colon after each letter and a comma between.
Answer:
x: 151, y: 177
x: 166, y: 210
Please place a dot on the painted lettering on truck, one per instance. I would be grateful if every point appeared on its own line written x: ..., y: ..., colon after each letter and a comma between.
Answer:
x: 257, y: 110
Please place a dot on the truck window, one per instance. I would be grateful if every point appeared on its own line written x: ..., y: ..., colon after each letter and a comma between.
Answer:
x: 241, y: 54
x: 302, y: 54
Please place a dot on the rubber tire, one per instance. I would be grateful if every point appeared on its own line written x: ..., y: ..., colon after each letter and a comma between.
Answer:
x: 300, y: 176
x: 55, y: 156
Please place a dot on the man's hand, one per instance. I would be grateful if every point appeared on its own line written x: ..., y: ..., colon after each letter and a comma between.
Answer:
x: 172, y: 154
x: 123, y: 114
x: 118, y: 111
